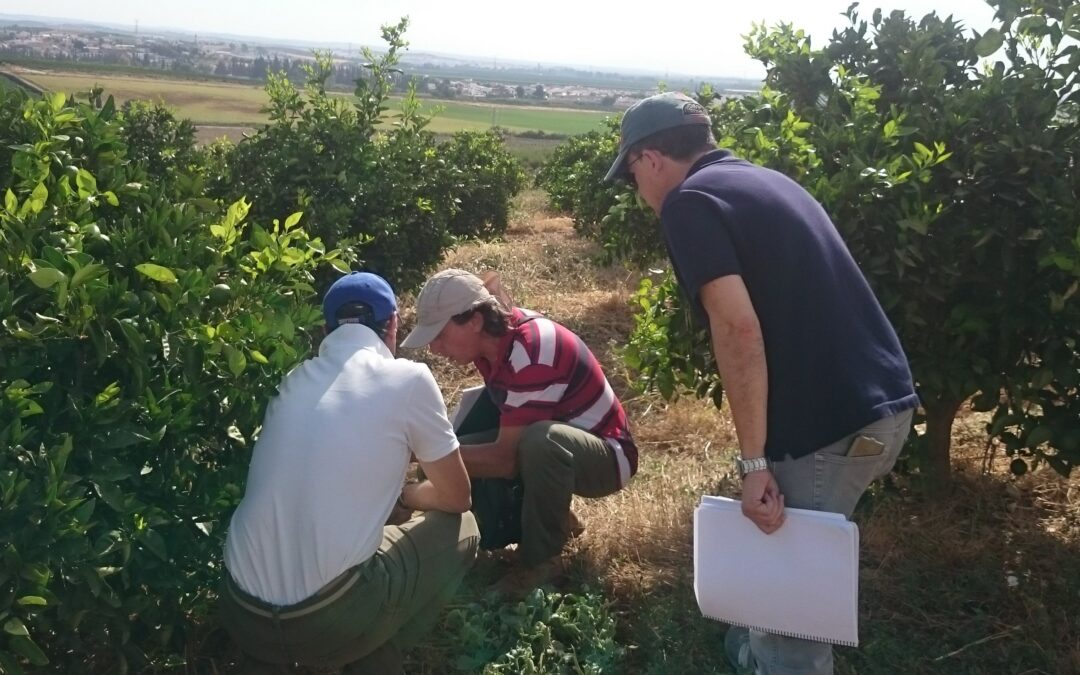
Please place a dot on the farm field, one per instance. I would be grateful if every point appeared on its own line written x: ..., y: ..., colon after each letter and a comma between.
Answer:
x: 227, y: 104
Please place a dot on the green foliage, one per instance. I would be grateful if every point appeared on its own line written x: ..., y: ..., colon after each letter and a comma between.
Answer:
x: 144, y: 327
x: 670, y: 354
x: 547, y: 632
x: 487, y: 178
x: 610, y: 213
x: 156, y: 139
x: 953, y: 184
x: 375, y: 185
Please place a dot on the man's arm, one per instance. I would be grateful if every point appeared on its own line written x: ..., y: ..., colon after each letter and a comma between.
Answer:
x: 494, y: 460
x: 446, y: 487
x: 739, y: 349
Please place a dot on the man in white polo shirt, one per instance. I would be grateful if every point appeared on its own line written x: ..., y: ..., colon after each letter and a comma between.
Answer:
x: 315, y: 577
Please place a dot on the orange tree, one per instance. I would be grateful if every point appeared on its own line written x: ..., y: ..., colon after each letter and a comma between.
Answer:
x: 953, y: 184
x: 143, y: 328
x: 373, y: 183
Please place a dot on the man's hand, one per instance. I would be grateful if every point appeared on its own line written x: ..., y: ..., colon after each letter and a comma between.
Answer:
x: 762, y: 501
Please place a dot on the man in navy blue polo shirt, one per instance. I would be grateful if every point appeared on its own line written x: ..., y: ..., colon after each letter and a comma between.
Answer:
x: 818, y: 385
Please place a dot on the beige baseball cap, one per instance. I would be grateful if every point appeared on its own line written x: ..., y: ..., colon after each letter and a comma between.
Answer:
x: 448, y: 293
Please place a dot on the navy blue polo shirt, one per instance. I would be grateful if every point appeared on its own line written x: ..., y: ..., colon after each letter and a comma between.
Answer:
x: 835, y: 363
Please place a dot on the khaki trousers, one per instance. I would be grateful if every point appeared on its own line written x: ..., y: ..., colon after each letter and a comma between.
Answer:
x: 555, y: 462
x: 367, y: 615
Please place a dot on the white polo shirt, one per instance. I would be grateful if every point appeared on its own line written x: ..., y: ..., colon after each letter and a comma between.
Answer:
x: 329, y: 465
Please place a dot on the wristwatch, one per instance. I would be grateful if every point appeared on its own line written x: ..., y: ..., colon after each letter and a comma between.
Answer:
x: 745, y: 466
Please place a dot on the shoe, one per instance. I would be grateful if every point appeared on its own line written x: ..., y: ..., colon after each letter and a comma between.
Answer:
x: 737, y: 650
x: 574, y: 525
x: 519, y: 581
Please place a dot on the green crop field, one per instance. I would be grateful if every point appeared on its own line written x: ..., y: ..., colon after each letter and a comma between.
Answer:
x: 216, y: 103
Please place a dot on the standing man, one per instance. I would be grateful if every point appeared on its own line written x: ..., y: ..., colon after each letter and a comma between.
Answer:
x: 819, y: 387
x: 313, y: 576
x: 562, y: 430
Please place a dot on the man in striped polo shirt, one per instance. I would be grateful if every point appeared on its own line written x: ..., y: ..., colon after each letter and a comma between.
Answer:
x: 562, y: 430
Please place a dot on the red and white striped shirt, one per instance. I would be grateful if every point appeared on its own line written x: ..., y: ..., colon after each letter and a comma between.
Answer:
x: 548, y: 373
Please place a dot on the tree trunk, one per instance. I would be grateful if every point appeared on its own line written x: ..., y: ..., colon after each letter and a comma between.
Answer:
x: 939, y: 420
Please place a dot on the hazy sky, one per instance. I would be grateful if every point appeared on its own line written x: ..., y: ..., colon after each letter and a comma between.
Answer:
x: 695, y: 37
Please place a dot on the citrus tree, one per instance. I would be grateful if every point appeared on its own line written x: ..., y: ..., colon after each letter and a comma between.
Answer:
x: 374, y: 183
x: 144, y: 326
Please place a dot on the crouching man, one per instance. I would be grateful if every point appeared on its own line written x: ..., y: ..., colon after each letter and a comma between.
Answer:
x: 313, y: 575
x: 561, y: 431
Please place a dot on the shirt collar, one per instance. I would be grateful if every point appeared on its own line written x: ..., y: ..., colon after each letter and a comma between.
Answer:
x: 708, y: 158
x: 352, y: 337
x: 711, y: 157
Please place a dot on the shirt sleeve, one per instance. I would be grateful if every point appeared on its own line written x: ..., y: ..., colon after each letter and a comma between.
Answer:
x: 699, y: 241
x: 427, y: 428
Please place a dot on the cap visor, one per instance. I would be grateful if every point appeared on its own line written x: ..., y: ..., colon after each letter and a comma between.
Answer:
x: 616, y: 170
x: 422, y: 335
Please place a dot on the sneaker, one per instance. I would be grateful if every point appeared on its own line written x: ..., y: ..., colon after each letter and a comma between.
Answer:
x: 521, y: 579
x: 737, y: 650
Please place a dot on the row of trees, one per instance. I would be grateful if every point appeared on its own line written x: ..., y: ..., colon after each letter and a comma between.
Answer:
x: 948, y: 162
x: 152, y: 295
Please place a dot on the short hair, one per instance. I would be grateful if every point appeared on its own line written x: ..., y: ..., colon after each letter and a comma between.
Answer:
x: 679, y: 143
x: 496, y: 317
x: 361, y: 313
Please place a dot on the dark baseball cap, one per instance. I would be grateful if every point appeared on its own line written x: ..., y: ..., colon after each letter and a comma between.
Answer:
x: 359, y: 287
x: 648, y: 116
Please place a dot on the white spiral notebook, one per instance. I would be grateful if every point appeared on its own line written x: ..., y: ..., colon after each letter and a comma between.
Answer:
x: 800, y: 581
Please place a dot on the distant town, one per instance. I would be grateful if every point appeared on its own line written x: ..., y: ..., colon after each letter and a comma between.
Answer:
x: 250, y: 59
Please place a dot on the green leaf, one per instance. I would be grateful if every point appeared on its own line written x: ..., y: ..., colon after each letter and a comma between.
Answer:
x: 989, y: 43
x: 56, y: 101
x: 87, y: 183
x: 157, y: 273
x: 292, y: 220
x: 1039, y: 435
x: 110, y: 197
x: 258, y: 357
x: 11, y: 202
x: 16, y: 627
x: 28, y: 650
x: 153, y: 541
x: 111, y: 495
x: 40, y: 193
x: 88, y: 273
x: 32, y: 600
x: 85, y: 510
x: 108, y: 110
x: 1031, y: 23
x: 46, y: 277
x: 123, y: 438
x: 1072, y: 17
x: 237, y: 360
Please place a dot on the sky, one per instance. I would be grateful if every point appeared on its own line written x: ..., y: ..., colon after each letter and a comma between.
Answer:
x: 703, y: 37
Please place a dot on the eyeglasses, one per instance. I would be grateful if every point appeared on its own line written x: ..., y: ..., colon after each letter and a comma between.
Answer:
x: 628, y: 175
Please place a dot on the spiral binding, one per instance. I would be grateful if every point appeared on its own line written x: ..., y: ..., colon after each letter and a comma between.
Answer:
x: 784, y: 633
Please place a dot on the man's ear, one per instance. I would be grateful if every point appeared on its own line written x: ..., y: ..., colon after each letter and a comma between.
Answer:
x: 390, y: 339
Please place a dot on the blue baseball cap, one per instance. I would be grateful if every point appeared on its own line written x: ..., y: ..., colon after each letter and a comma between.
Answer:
x: 359, y: 287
